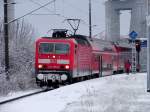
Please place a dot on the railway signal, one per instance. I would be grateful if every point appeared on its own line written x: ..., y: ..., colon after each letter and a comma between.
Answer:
x: 138, y: 45
x: 138, y: 49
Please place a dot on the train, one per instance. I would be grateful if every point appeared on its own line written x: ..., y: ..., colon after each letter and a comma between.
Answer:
x: 64, y: 58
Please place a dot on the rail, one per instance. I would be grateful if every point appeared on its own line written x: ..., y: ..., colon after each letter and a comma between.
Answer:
x: 23, y: 96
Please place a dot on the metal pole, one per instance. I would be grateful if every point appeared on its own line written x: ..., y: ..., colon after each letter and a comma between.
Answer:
x: 138, y: 58
x: 133, y: 57
x: 148, y: 47
x: 6, y: 30
x: 138, y: 62
x: 6, y: 37
x: 90, y: 20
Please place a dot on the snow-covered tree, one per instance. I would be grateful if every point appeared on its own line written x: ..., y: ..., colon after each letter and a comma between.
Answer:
x: 21, y: 57
x: 1, y: 46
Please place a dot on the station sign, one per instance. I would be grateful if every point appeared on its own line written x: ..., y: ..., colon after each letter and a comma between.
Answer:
x: 144, y: 43
x: 133, y: 35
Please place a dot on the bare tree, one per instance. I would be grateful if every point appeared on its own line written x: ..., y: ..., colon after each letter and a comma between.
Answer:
x: 21, y: 56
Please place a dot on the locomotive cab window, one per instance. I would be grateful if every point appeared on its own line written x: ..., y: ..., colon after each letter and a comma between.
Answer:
x: 61, y: 48
x: 46, y: 48
x: 57, y: 48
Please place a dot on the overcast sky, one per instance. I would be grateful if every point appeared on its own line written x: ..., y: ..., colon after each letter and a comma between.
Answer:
x: 69, y: 9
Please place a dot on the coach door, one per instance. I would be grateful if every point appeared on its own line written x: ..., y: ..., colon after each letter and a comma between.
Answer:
x: 100, y: 66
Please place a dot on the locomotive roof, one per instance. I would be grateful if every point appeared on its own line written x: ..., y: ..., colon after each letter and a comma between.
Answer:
x: 102, y: 45
x: 95, y: 43
x: 81, y: 39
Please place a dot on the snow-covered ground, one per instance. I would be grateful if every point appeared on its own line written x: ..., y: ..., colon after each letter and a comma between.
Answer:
x: 118, y: 93
x: 17, y: 94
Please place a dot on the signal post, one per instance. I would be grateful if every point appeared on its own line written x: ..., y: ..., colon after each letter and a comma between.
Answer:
x: 148, y: 45
x: 133, y: 36
x: 138, y: 49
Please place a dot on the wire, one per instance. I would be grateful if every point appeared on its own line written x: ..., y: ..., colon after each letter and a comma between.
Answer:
x: 32, y: 11
x: 36, y: 3
x: 60, y: 15
x: 81, y: 11
x: 37, y: 14
x: 40, y: 5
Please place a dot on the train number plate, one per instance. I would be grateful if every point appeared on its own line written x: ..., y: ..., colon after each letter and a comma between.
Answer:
x: 53, y: 61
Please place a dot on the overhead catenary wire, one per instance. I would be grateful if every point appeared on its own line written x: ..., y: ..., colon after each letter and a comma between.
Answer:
x: 81, y: 11
x: 69, y: 4
x: 37, y: 3
x: 78, y: 9
x: 64, y: 2
x: 44, y: 14
x: 60, y: 15
x: 32, y: 11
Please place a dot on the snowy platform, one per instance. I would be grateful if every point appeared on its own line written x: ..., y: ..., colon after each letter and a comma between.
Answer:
x: 119, y: 93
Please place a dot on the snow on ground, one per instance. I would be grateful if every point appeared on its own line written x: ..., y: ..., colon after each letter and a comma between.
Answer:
x: 119, y: 93
x: 17, y: 94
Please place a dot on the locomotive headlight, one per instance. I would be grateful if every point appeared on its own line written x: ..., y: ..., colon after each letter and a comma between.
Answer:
x: 67, y: 66
x: 54, y: 56
x: 63, y: 77
x: 40, y: 66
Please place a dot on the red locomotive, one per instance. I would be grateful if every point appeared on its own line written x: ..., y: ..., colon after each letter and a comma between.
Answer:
x: 62, y: 58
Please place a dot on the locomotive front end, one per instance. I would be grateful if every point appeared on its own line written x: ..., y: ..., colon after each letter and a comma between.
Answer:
x: 53, y: 61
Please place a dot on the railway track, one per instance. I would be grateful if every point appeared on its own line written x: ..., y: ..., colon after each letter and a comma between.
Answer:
x: 45, y: 89
x: 23, y: 96
x: 34, y: 93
